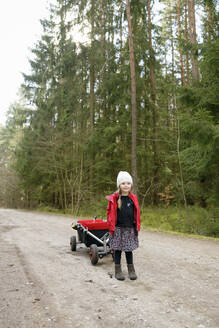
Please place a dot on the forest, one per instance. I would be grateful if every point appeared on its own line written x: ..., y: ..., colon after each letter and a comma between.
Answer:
x: 139, y: 92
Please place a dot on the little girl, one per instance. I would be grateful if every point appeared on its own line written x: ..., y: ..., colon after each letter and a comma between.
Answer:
x: 123, y: 217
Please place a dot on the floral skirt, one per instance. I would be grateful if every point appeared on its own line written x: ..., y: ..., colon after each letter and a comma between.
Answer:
x: 124, y: 239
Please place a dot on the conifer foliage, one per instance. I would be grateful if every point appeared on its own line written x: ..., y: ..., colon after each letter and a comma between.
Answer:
x: 138, y: 93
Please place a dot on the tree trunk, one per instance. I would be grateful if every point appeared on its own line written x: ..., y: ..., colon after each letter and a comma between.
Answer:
x: 192, y: 38
x: 210, y: 20
x: 120, y: 29
x: 101, y: 26
x: 103, y: 105
x: 187, y: 41
x: 133, y: 96
x: 92, y: 96
x: 172, y: 51
x: 179, y: 161
x: 154, y: 110
x: 179, y: 13
x: 92, y: 70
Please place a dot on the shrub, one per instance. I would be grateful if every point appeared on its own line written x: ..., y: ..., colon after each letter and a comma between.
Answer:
x: 194, y: 220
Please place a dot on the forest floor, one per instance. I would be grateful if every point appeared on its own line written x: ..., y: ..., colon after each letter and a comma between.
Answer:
x: 44, y: 284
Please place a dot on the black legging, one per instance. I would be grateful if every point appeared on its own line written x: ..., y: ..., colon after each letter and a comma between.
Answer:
x: 128, y: 255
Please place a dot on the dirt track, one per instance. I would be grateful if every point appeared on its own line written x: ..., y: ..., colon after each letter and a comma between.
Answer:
x: 44, y: 284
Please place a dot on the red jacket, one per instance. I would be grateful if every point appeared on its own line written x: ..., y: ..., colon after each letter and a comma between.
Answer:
x: 112, y: 211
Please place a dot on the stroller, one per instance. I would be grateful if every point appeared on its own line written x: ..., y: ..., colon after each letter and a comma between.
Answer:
x: 95, y: 235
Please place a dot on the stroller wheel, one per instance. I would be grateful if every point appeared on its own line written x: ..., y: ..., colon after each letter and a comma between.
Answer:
x: 73, y: 243
x: 94, y: 254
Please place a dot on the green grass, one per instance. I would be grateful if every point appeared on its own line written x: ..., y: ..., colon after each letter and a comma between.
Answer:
x: 193, y: 221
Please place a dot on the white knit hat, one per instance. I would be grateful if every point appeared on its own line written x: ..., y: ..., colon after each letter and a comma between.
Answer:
x: 124, y: 176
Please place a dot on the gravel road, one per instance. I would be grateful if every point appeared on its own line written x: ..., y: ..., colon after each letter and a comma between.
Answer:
x: 44, y: 284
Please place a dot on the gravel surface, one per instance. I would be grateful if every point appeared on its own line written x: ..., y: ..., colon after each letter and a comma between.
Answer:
x: 44, y: 284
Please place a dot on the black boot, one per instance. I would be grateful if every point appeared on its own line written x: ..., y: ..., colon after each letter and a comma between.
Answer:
x: 118, y: 272
x: 131, y: 271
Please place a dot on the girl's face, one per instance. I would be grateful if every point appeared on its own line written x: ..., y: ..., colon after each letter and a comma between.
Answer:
x: 125, y: 188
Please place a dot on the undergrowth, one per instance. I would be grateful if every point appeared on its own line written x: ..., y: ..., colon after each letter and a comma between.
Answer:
x: 193, y: 220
